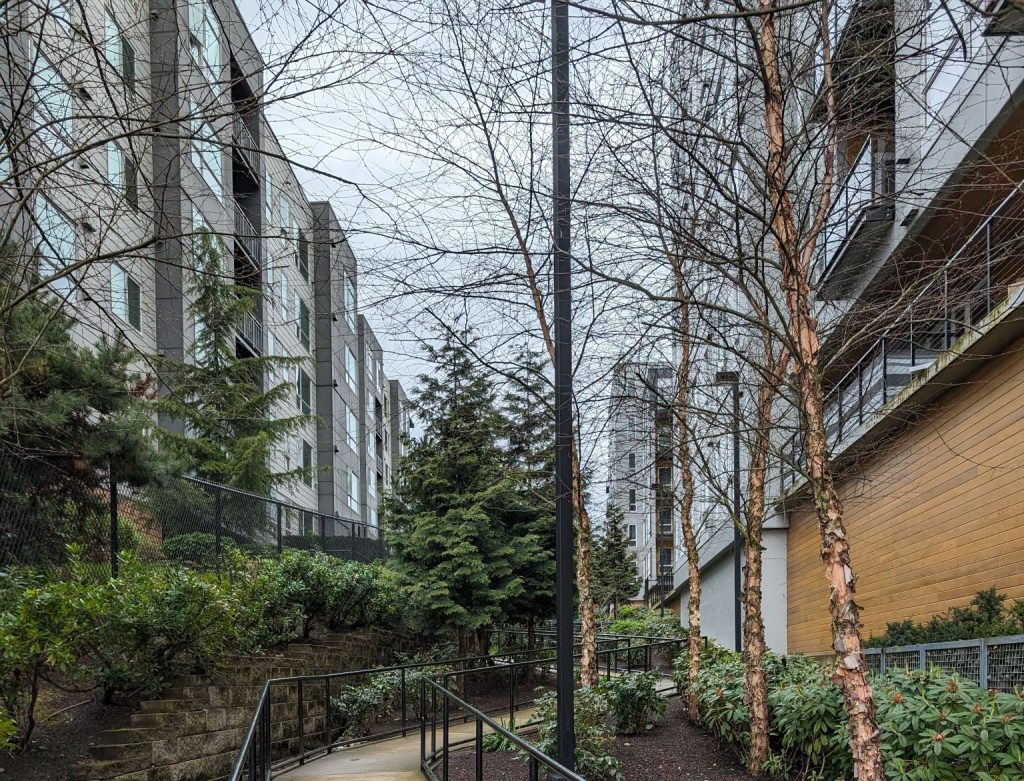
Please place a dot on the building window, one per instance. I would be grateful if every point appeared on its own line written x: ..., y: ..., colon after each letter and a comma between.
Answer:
x: 351, y: 369
x: 303, y: 255
x: 632, y: 499
x: 665, y: 561
x: 632, y: 460
x: 271, y: 365
x: 352, y: 429
x: 118, y: 51
x: 204, y: 40
x: 631, y: 533
x: 664, y: 475
x: 307, y: 461
x: 350, y: 304
x: 302, y: 324
x: 53, y: 106
x: 353, y: 491
x: 302, y: 392
x: 125, y: 297
x: 286, y: 303
x: 268, y: 195
x: 56, y: 243
x: 206, y: 153
x: 285, y: 218
x: 122, y: 174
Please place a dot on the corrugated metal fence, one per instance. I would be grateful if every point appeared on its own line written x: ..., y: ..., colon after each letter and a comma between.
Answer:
x: 993, y: 663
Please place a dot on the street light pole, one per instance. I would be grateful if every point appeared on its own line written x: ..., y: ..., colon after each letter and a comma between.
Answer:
x: 733, y: 379
x: 563, y: 384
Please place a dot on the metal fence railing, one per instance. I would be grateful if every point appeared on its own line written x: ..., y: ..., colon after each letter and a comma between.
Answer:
x: 993, y: 663
x: 183, y: 519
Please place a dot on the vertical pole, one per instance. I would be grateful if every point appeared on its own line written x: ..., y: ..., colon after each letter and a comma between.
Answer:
x: 302, y: 727
x: 444, y: 732
x: 403, y: 703
x: 115, y: 543
x: 563, y: 381
x: 479, y: 750
x: 737, y: 545
x: 983, y: 663
x: 327, y: 711
x: 280, y: 527
x: 216, y: 524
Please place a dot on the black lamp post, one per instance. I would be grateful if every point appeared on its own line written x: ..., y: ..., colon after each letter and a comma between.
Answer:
x: 733, y: 379
x: 563, y: 384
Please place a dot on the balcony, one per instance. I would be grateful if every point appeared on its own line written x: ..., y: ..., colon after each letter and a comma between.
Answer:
x: 943, y: 320
x: 251, y: 333
x: 247, y: 238
x: 860, y: 34
x: 860, y: 214
x: 247, y: 152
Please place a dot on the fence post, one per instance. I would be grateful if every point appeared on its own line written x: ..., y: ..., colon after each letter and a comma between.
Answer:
x: 280, y: 528
x: 323, y: 532
x: 983, y: 663
x: 216, y: 524
x: 115, y: 543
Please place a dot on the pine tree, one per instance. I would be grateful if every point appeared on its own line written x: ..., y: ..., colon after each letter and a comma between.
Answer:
x: 615, y: 575
x: 449, y: 522
x: 530, y: 435
x: 230, y: 425
x: 68, y: 414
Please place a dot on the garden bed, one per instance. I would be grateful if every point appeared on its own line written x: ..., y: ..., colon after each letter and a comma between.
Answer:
x: 675, y: 750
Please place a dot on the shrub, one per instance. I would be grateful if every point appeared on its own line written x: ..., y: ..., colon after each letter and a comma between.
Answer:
x: 594, y: 761
x: 197, y: 549
x: 987, y: 615
x: 435, y: 669
x: 358, y: 708
x: 633, y: 702
x: 710, y: 654
x: 496, y: 741
x: 719, y: 689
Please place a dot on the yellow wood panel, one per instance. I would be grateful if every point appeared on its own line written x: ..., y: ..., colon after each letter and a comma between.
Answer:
x: 933, y: 518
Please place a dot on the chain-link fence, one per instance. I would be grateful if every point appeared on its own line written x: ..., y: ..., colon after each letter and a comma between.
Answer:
x: 184, y: 519
x: 993, y: 663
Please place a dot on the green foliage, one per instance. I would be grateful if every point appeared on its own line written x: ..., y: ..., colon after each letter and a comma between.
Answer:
x: 633, y: 702
x: 435, y: 666
x: 934, y: 727
x: 594, y: 760
x: 137, y: 631
x: 614, y: 578
x: 496, y: 741
x: 461, y: 535
x: 711, y: 654
x: 987, y: 615
x: 67, y: 413
x: 645, y: 622
x: 231, y: 431
x: 196, y: 549
x: 357, y: 708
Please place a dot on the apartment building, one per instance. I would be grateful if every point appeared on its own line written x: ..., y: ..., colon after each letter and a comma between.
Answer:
x: 917, y: 287
x: 129, y: 130
x: 922, y: 261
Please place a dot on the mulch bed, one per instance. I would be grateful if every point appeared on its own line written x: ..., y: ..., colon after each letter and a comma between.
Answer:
x: 675, y: 750
x: 63, y: 734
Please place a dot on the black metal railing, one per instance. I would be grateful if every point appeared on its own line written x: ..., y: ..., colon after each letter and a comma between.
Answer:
x: 953, y: 303
x: 252, y: 332
x: 247, y: 237
x: 445, y: 706
x: 246, y: 148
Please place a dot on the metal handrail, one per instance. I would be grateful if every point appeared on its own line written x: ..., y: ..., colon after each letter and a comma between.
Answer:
x: 246, y: 145
x: 903, y: 321
x: 247, y: 235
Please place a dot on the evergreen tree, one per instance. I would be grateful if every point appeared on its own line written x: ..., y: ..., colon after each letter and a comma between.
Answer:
x: 530, y: 436
x: 67, y: 414
x: 230, y: 423
x: 449, y: 523
x: 615, y: 578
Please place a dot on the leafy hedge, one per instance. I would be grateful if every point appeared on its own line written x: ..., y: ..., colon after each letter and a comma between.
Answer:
x: 934, y: 727
x: 136, y: 632
x: 987, y: 615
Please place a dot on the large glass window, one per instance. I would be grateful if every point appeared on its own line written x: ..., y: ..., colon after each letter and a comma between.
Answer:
x: 302, y: 324
x: 206, y: 153
x: 303, y: 395
x: 350, y: 303
x: 125, y: 297
x: 53, y: 106
x: 56, y: 242
x: 307, y: 462
x: 351, y: 369
x: 632, y: 499
x: 205, y: 39
x: 118, y: 50
x: 352, y: 429
x: 353, y: 491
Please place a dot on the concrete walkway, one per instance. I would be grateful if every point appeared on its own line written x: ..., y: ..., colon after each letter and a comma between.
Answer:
x: 397, y: 759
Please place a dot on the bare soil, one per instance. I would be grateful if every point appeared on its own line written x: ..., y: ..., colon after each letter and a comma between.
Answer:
x: 675, y: 750
x: 68, y: 723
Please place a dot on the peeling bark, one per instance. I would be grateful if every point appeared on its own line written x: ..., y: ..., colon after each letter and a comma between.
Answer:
x: 851, y: 671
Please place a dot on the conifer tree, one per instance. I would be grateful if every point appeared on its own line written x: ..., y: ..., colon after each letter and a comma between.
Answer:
x: 615, y: 575
x: 231, y: 425
x: 449, y: 523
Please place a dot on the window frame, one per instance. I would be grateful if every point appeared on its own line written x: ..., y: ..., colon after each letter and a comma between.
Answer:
x: 125, y: 296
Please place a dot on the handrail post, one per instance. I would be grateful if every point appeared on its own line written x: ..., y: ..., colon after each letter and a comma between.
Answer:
x: 423, y: 720
x: 217, y: 509
x: 327, y: 711
x: 479, y: 750
x: 280, y: 528
x: 403, y: 704
x: 444, y: 754
x: 511, y: 692
x: 629, y: 654
x: 302, y: 727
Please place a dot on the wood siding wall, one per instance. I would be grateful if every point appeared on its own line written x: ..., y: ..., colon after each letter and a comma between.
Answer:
x: 933, y: 519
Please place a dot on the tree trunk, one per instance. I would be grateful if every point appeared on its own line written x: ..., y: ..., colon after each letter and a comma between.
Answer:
x: 851, y: 671
x: 588, y: 619
x: 756, y: 682
x: 681, y: 410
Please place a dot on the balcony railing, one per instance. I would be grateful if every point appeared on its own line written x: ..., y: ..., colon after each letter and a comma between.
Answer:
x: 247, y: 237
x: 246, y: 148
x: 252, y: 333
x: 972, y: 282
x: 864, y: 196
